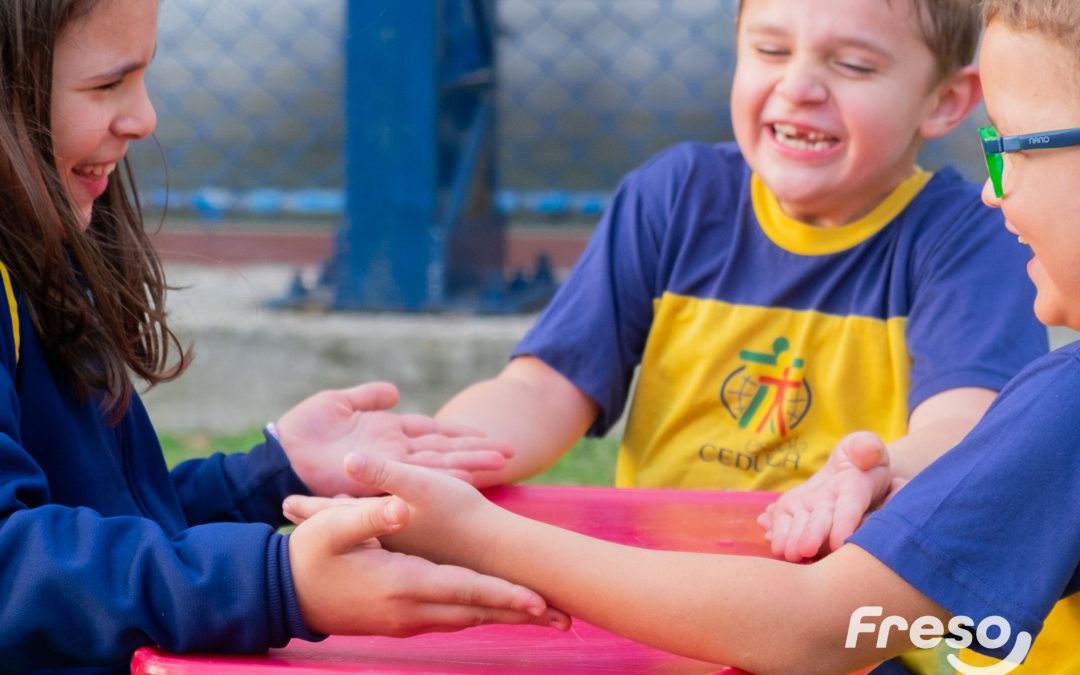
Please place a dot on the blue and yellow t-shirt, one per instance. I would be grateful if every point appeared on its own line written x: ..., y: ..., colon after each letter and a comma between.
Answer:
x: 762, y: 340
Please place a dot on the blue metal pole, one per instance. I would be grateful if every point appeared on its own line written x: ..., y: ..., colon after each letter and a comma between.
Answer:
x: 393, y: 250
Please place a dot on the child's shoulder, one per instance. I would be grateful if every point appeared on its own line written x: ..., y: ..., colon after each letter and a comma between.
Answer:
x: 693, y: 168
x: 1046, y: 388
x: 690, y: 156
x: 947, y: 187
x: 950, y: 207
x: 1067, y: 356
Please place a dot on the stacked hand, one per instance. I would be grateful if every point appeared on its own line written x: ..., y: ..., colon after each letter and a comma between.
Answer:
x: 320, y: 431
x: 816, y: 517
x: 347, y: 584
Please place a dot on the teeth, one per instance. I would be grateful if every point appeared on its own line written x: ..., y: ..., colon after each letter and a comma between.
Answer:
x: 790, y: 136
x: 1021, y: 240
x: 96, y: 170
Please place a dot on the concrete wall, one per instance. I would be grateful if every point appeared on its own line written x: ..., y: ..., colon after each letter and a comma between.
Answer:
x: 253, y: 363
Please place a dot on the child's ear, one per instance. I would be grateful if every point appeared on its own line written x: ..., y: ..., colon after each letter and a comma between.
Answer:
x: 951, y: 103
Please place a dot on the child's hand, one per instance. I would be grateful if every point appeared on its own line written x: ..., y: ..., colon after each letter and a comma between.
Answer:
x: 817, y: 516
x: 449, y: 520
x: 347, y: 584
x: 320, y: 431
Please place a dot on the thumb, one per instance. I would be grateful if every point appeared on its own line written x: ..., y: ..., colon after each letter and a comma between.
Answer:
x: 371, y: 396
x: 865, y: 450
x: 373, y: 471
x: 345, y: 527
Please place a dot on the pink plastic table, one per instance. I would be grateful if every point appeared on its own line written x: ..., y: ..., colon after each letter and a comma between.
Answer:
x: 688, y: 520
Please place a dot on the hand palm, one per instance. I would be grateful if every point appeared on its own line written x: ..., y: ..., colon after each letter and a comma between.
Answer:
x: 338, y: 430
x: 817, y: 516
x: 320, y: 431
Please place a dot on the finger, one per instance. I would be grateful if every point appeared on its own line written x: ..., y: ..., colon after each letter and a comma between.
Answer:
x: 454, y: 429
x: 448, y: 618
x: 463, y: 476
x: 454, y: 585
x: 817, y: 530
x: 765, y: 520
x: 895, y: 485
x: 345, y: 527
x: 372, y: 396
x: 446, y: 444
x: 865, y: 450
x: 781, y: 524
x: 479, y: 460
x: 850, y: 509
x: 417, y: 425
x: 791, y: 547
x: 298, y: 508
x: 410, y: 482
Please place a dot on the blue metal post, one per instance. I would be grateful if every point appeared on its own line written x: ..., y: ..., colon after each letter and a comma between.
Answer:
x: 422, y: 229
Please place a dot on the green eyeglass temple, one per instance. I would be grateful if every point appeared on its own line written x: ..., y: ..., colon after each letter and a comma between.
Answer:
x: 994, y: 146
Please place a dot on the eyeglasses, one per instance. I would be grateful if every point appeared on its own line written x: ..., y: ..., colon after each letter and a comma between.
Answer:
x: 994, y: 146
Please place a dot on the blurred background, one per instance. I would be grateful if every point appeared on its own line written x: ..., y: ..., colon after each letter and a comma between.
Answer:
x: 252, y: 96
x: 437, y: 163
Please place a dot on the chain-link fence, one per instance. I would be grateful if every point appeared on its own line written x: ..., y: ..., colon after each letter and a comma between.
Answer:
x: 250, y: 101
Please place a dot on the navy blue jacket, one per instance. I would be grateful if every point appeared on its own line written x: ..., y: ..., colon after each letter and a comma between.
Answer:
x: 103, y: 550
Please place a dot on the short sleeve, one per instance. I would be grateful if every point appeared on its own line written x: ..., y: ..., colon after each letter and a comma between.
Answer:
x: 990, y: 529
x: 971, y: 322
x: 594, y: 330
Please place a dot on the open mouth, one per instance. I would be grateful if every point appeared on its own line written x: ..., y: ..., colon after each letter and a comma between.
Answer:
x: 803, y: 140
x: 94, y: 170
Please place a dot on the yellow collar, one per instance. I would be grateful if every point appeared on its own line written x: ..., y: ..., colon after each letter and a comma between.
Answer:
x: 798, y: 237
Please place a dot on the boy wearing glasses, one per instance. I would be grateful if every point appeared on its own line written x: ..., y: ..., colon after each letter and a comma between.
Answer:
x: 987, y: 535
x: 1031, y: 179
x: 780, y: 293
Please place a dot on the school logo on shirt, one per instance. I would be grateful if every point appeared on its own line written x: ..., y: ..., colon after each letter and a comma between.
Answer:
x: 769, y: 392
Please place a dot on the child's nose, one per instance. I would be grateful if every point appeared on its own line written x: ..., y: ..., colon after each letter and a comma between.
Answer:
x: 989, y: 197
x: 138, y: 119
x: 801, y: 84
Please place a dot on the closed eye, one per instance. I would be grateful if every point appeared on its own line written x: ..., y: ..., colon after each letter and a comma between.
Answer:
x: 857, y: 68
x: 771, y: 50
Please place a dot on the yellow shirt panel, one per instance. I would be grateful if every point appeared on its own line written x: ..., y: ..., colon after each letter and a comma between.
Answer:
x: 754, y: 398
x: 1054, y: 651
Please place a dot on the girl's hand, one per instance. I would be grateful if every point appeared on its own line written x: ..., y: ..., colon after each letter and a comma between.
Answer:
x: 321, y: 430
x: 449, y: 520
x: 346, y: 583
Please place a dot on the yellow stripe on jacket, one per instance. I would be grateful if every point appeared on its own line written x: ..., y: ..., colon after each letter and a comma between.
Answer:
x: 9, y: 291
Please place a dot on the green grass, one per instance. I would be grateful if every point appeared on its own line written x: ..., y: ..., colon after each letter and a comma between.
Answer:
x: 590, y: 462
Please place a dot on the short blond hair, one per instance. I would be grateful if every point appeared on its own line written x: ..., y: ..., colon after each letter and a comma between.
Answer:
x: 950, y: 28
x: 1056, y: 19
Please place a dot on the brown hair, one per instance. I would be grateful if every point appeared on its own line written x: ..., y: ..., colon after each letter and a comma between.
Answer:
x: 96, y: 298
x: 950, y: 29
x: 1056, y: 19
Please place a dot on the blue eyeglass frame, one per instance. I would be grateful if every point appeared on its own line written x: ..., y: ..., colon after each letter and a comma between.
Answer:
x: 995, y: 145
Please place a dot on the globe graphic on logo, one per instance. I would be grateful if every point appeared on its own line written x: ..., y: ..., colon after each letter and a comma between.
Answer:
x: 742, y: 391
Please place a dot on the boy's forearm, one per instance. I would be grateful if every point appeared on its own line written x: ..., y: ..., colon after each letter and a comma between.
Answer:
x: 936, y: 425
x: 916, y: 451
x: 507, y: 414
x: 540, y: 420
x: 759, y: 614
